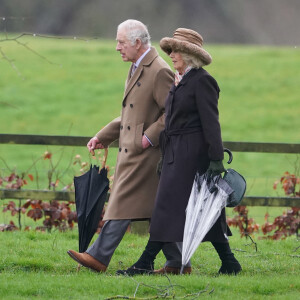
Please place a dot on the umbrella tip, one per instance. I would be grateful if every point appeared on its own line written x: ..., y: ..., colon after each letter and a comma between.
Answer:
x: 181, y: 270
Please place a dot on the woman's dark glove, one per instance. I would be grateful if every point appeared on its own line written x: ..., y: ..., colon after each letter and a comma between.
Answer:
x: 215, y: 168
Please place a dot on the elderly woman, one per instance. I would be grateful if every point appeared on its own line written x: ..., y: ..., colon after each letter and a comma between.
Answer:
x: 191, y: 142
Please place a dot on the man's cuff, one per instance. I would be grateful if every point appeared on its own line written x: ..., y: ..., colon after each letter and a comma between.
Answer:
x: 148, y: 140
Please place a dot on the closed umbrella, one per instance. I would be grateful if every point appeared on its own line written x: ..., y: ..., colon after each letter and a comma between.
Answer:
x: 90, y: 195
x: 207, y: 199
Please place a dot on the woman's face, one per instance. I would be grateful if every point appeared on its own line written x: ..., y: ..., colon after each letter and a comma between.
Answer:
x: 178, y: 62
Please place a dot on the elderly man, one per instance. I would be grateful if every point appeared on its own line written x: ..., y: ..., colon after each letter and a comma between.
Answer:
x: 137, y: 129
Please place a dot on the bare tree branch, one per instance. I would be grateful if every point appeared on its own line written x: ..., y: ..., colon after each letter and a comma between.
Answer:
x: 48, y: 37
x: 11, y: 62
x: 163, y: 291
x: 253, y: 243
x: 17, y: 38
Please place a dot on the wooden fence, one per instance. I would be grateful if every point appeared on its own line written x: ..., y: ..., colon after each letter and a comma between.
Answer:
x: 82, y: 141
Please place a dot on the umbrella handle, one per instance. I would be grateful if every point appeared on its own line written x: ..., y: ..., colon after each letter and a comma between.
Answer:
x: 230, y: 155
x: 105, y: 157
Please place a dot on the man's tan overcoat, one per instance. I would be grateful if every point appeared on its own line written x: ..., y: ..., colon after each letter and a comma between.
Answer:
x: 135, y: 179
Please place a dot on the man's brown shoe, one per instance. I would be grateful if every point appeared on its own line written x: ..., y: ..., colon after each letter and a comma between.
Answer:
x: 173, y: 270
x: 87, y: 261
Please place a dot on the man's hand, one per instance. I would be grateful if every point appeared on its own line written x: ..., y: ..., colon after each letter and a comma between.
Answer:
x: 145, y: 142
x: 93, y: 144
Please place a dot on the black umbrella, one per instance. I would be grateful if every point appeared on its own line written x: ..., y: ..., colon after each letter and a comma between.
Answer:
x: 90, y: 195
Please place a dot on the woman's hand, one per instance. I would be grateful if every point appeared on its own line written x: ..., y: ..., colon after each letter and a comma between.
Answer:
x: 215, y: 168
x: 93, y: 144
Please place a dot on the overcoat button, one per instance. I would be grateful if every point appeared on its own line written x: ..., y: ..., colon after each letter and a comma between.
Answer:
x: 120, y: 149
x: 131, y: 105
x: 138, y: 83
x: 128, y: 127
x: 126, y: 150
x: 121, y: 127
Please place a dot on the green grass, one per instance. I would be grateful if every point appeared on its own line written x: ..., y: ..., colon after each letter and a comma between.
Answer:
x: 35, y: 265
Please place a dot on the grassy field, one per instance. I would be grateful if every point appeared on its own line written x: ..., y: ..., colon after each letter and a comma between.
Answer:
x: 35, y: 265
x: 81, y: 90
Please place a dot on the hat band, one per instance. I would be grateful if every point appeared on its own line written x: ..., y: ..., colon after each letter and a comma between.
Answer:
x: 193, y: 40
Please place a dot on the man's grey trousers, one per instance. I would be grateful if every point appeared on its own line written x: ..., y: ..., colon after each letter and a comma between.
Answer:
x: 110, y: 237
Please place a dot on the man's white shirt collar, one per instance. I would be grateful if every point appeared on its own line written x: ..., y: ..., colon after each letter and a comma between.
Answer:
x: 142, y: 56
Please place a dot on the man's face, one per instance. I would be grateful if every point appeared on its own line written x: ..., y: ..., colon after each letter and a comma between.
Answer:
x: 127, y: 51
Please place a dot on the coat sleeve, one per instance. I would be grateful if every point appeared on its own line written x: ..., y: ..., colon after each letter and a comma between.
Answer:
x: 110, y: 132
x: 162, y: 84
x: 207, y: 95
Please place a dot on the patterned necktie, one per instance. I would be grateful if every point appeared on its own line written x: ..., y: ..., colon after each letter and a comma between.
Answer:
x: 133, y: 69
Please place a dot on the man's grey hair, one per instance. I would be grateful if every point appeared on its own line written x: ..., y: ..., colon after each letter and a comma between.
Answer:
x: 136, y: 30
x: 191, y: 60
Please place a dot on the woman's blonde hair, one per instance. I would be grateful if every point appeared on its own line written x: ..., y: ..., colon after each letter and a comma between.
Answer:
x: 192, y: 61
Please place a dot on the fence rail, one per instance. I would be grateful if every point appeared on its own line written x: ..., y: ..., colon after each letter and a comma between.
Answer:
x: 37, y: 195
x: 25, y: 139
x: 70, y: 196
x: 60, y: 140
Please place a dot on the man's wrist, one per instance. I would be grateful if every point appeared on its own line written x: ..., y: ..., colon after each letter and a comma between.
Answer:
x: 148, y: 140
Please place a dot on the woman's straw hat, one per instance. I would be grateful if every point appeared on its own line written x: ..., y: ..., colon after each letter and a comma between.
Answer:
x: 186, y: 41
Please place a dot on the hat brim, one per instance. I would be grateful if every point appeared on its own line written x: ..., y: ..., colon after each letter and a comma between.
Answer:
x: 170, y: 44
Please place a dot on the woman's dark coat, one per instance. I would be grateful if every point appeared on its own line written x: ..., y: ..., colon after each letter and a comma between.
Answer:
x: 192, y: 137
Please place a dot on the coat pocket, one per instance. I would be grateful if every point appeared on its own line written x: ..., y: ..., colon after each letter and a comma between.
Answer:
x: 139, y: 131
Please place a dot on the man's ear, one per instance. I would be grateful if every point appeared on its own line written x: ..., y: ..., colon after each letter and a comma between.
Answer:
x: 138, y: 44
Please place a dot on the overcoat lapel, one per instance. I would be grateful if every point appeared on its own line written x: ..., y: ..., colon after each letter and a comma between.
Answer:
x: 171, y: 99
x: 175, y: 88
x: 131, y: 81
x: 185, y: 78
